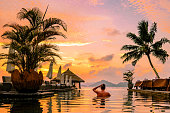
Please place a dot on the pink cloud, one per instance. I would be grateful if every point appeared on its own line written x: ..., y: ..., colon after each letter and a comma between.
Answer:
x: 112, y: 31
x: 112, y: 74
x: 67, y: 65
x: 92, y: 72
x: 102, y: 59
x: 154, y: 10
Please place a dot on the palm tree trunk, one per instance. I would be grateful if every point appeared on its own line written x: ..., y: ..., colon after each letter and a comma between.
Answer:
x: 152, y: 66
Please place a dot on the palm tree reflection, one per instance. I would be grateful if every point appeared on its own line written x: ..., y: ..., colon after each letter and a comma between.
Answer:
x: 26, y: 106
x: 49, y: 106
x: 158, y: 101
x: 128, y: 102
x: 66, y: 98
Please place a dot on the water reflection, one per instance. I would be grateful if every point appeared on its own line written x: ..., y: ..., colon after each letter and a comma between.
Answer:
x: 99, y: 102
x: 49, y: 104
x: 65, y: 99
x: 154, y: 101
x: 22, y: 105
x: 26, y: 107
x: 83, y: 101
x: 128, y: 102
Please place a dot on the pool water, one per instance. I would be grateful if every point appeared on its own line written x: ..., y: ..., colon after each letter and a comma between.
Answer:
x: 85, y: 101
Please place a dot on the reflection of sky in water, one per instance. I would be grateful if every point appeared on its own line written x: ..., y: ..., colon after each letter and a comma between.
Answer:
x: 85, y: 101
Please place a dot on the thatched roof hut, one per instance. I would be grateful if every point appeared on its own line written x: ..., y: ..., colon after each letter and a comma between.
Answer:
x: 75, y: 78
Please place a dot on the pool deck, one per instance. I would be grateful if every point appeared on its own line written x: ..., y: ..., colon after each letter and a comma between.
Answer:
x: 14, y: 94
x: 150, y: 91
x: 57, y: 90
x: 39, y: 94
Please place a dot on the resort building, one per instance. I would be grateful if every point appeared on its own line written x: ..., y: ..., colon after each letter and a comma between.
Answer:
x: 68, y: 77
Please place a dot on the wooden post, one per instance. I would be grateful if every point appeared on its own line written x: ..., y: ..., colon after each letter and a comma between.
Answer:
x: 79, y: 85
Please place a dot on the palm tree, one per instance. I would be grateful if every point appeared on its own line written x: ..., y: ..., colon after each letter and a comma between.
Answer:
x: 144, y: 45
x: 27, y: 40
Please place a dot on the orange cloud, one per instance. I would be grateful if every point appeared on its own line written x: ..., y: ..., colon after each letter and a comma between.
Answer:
x: 69, y: 43
x: 95, y: 2
x: 105, y: 40
x: 111, y: 74
x: 111, y: 31
x: 77, y: 25
x: 103, y: 59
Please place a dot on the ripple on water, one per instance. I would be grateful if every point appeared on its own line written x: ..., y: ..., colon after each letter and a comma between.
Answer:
x: 84, y: 101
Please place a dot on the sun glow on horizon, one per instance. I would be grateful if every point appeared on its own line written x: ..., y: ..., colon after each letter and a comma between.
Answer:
x: 70, y: 43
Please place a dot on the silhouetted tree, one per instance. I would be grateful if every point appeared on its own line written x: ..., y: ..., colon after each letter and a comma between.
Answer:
x: 144, y: 45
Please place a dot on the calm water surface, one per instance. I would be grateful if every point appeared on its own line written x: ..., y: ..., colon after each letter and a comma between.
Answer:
x: 84, y: 101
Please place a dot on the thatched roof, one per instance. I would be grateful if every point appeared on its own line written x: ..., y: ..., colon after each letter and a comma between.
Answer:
x: 75, y: 78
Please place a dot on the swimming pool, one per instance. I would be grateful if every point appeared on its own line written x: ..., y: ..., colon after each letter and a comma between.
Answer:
x: 85, y: 101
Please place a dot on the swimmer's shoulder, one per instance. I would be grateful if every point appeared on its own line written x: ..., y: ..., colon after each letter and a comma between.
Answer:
x: 108, y: 94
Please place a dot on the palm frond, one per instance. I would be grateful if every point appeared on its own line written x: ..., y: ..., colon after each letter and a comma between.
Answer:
x: 137, y: 58
x: 42, y: 47
x: 9, y: 35
x: 161, y: 54
x: 15, y: 26
x: 33, y: 15
x: 130, y: 47
x: 135, y: 39
x: 152, y: 32
x: 23, y: 14
x: 52, y: 21
x: 143, y: 30
x: 129, y: 55
x: 13, y: 58
x: 47, y: 35
x: 160, y: 43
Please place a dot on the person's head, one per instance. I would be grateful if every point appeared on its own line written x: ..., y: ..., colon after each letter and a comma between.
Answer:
x: 103, y: 87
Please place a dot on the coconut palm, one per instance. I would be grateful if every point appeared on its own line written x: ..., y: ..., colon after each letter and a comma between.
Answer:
x: 144, y: 45
x: 28, y: 40
x: 128, y: 76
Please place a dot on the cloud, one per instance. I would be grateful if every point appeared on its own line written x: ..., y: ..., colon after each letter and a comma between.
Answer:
x: 67, y: 65
x: 115, y: 74
x: 105, y: 58
x: 106, y: 40
x: 112, y: 31
x: 83, y: 56
x: 112, y: 74
x: 64, y: 44
x: 154, y: 10
x: 92, y: 72
x: 95, y: 2
x: 74, y: 43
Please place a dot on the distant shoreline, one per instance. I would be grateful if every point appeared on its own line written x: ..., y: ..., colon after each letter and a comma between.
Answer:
x: 107, y: 86
x: 107, y: 83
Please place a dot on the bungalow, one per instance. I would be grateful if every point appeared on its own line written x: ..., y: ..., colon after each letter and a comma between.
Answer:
x: 68, y: 74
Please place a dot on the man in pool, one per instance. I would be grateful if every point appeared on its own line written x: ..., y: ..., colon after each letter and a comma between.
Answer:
x: 101, y: 93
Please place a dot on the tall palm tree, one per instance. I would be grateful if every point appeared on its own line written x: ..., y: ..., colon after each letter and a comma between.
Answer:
x: 144, y: 45
x: 27, y: 40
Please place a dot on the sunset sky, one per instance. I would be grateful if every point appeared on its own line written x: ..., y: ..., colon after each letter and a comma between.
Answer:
x: 96, y: 32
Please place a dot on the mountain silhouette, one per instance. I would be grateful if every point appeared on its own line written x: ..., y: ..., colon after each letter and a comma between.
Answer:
x: 109, y: 84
